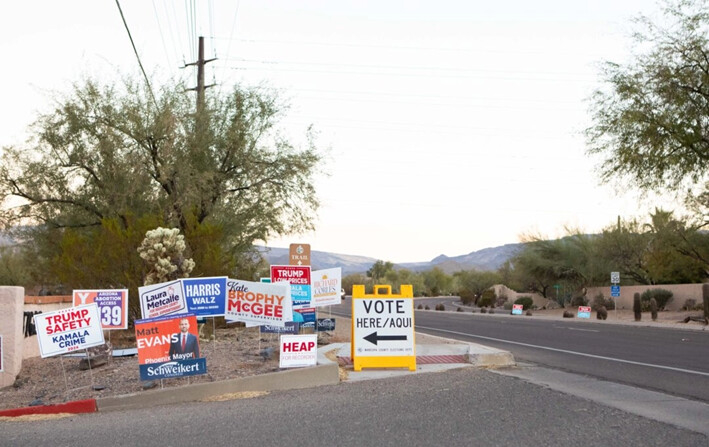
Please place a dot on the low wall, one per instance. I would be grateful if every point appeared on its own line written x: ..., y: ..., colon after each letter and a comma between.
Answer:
x: 501, y: 290
x: 680, y: 293
x: 11, y: 335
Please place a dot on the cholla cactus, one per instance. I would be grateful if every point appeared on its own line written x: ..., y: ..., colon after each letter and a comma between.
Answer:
x: 163, y: 251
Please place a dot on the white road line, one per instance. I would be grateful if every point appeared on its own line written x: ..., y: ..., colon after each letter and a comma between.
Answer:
x: 582, y: 354
x: 576, y: 329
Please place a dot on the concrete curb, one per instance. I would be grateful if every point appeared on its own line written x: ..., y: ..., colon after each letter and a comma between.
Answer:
x: 326, y: 372
x: 78, y: 406
x: 322, y: 374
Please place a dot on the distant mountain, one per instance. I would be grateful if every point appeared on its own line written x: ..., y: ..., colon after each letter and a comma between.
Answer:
x: 485, y: 259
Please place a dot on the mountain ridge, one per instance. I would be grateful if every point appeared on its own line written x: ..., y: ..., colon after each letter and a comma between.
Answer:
x: 490, y: 258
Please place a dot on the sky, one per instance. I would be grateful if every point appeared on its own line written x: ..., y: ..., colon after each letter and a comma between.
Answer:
x: 448, y: 126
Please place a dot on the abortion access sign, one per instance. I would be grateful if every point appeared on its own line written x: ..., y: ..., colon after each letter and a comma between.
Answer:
x: 112, y: 306
x: 68, y: 330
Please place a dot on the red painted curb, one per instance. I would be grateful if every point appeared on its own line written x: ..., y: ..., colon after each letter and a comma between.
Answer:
x: 78, y: 406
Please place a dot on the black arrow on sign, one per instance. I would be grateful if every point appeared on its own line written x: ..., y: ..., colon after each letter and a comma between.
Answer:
x: 373, y: 338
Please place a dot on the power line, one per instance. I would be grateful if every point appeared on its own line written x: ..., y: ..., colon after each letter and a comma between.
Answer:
x: 162, y: 35
x: 135, y: 50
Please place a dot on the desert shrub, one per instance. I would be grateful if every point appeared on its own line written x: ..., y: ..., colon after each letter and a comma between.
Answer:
x: 466, y: 296
x: 492, y: 311
x: 662, y: 296
x: 525, y: 301
x: 579, y: 300
x: 420, y: 306
x: 529, y: 313
x: 440, y: 307
x: 568, y: 314
x: 483, y: 310
x: 601, y: 313
x: 485, y: 301
x: 459, y: 310
x: 507, y: 305
x: 501, y: 301
x: 690, y: 304
x: 489, y: 294
x: 601, y: 301
x: 426, y: 308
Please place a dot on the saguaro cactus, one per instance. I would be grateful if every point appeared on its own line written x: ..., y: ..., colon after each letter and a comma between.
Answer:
x: 653, y: 309
x: 637, y: 307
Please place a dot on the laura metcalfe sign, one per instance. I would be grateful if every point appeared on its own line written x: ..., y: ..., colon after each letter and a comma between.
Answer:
x: 68, y: 330
x: 166, y: 298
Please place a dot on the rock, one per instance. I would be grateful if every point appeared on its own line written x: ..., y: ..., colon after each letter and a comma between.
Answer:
x: 149, y: 385
x: 93, y: 362
x: 36, y: 403
x: 266, y: 353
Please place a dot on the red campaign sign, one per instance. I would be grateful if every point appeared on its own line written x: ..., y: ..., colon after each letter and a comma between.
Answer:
x: 293, y: 274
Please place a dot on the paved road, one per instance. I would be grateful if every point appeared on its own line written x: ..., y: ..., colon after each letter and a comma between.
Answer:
x: 671, y: 361
x: 461, y: 407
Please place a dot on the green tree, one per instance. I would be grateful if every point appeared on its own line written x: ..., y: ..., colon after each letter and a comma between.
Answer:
x: 649, y: 118
x: 437, y: 282
x: 379, y: 270
x: 471, y: 284
x: 225, y: 176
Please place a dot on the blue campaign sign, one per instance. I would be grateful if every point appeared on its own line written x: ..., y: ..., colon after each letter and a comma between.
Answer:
x: 325, y: 324
x: 174, y: 368
x: 206, y: 297
x: 615, y: 291
x: 308, y: 315
x: 291, y: 327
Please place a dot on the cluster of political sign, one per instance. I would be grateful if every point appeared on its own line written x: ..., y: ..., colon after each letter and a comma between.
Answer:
x: 166, y: 336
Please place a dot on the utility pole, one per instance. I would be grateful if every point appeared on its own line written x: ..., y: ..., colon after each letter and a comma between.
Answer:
x: 200, y: 75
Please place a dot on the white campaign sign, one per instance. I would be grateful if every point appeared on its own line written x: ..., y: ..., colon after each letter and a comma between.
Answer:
x: 68, y: 330
x: 298, y: 350
x: 258, y: 303
x: 326, y: 286
x: 383, y: 327
x: 166, y: 298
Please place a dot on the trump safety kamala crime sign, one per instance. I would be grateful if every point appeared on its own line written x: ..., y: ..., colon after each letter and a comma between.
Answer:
x: 68, y: 330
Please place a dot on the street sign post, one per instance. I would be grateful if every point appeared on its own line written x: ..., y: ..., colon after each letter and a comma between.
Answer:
x: 383, y: 328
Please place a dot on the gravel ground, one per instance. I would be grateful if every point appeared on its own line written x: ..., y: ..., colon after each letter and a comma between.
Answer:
x: 235, y: 352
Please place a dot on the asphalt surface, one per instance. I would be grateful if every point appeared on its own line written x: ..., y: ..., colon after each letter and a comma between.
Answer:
x: 460, y: 407
x: 662, y: 359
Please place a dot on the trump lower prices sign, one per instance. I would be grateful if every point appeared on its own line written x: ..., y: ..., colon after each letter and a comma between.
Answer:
x: 383, y: 329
